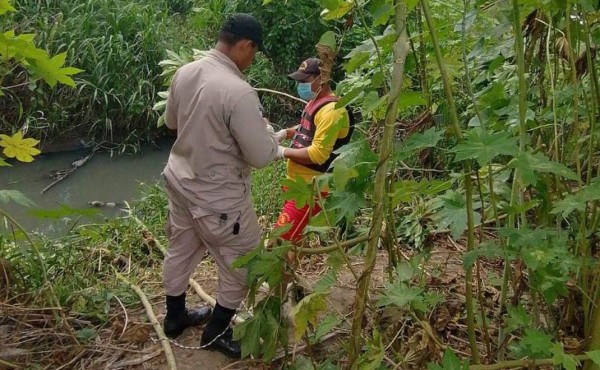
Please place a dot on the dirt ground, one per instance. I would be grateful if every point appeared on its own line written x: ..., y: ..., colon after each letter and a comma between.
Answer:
x: 129, y: 343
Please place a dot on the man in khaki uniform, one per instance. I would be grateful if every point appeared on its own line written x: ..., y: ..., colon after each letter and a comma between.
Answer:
x: 220, y: 135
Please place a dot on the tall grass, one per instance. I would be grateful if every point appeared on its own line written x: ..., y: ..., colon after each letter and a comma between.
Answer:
x: 119, y: 44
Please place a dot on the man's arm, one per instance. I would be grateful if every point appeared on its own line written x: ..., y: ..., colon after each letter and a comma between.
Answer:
x: 320, y: 149
x: 250, y: 131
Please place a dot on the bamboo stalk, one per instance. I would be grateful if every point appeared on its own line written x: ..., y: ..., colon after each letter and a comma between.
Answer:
x: 172, y: 365
x: 400, y: 51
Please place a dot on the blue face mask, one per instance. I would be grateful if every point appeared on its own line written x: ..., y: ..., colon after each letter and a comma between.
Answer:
x: 304, y: 91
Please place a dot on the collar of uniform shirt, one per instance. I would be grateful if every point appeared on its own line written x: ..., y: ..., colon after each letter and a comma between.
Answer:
x: 214, y: 53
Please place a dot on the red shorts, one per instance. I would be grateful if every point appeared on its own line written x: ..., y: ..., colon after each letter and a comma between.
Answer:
x: 297, y: 217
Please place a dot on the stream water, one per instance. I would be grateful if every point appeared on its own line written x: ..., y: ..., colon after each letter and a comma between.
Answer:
x: 103, y: 178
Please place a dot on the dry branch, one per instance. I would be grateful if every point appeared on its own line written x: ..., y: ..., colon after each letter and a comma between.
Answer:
x: 76, y: 165
x: 137, y: 360
x: 157, y: 328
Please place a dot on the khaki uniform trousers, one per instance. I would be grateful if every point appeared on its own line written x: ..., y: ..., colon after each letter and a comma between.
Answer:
x: 193, y: 230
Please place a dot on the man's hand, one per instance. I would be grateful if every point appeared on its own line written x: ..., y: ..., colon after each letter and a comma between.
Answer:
x: 280, y: 152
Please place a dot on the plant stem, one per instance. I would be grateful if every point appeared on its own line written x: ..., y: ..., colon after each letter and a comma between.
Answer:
x: 468, y: 183
x: 515, y: 192
x: 524, y: 363
x: 400, y: 50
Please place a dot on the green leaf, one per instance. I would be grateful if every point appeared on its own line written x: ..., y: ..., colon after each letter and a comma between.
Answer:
x: 306, y: 311
x: 374, y: 355
x: 484, y: 146
x: 537, y: 343
x: 594, y: 356
x: 348, y: 204
x: 399, y: 294
x: 335, y: 9
x: 349, y: 97
x: 371, y: 102
x: 3, y: 163
x: 357, y: 60
x: 449, y: 362
x: 410, y: 99
x: 52, y: 71
x: 16, y: 196
x: 328, y: 39
x: 86, y: 334
x: 326, y: 282
x: 419, y: 141
x: 517, y: 319
x: 530, y: 164
x: 342, y: 174
x: 329, y: 322
x: 577, y: 201
x: 453, y: 213
x: 300, y: 191
x: 381, y: 10
x: 248, y: 332
x: 5, y: 7
x: 559, y: 357
x: 302, y: 363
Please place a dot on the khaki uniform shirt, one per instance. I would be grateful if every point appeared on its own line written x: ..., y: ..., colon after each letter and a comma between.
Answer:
x: 220, y: 134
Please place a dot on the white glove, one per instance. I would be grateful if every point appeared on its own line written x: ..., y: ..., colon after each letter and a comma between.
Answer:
x: 280, y: 152
x: 270, y: 129
x: 280, y: 135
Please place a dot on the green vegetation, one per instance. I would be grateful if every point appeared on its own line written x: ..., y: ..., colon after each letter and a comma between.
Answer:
x: 478, y: 142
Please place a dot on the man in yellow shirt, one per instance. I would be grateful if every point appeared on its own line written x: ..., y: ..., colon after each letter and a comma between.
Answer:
x: 311, y: 151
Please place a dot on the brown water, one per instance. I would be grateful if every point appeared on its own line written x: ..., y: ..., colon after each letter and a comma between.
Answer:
x: 103, y: 178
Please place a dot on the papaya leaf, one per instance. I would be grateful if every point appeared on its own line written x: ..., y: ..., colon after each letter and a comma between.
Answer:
x: 300, y: 191
x: 577, y: 201
x: 410, y: 99
x: 418, y: 141
x: 306, y: 311
x: 559, y: 357
x: 342, y: 174
x: 529, y: 164
x: 347, y: 204
x: 484, y: 146
x: 453, y: 213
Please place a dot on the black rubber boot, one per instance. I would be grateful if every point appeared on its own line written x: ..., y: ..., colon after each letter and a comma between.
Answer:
x: 218, y: 335
x: 179, y: 317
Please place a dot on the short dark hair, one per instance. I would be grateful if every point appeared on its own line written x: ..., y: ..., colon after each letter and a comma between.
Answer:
x: 229, y: 38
